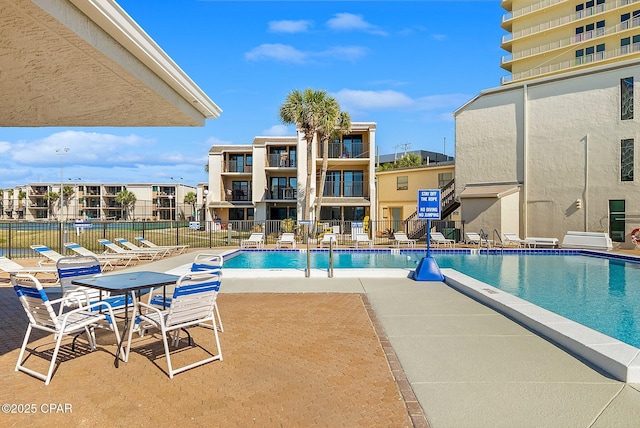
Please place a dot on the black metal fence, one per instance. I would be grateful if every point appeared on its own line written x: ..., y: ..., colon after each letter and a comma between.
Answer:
x: 16, y: 237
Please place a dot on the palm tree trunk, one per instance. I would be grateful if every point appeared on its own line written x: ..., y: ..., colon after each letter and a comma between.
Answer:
x: 323, y: 176
x: 307, y: 189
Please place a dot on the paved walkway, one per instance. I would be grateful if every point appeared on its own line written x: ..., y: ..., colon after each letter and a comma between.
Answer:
x: 467, y: 365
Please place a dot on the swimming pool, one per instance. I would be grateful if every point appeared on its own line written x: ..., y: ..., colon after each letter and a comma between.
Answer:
x: 598, y: 292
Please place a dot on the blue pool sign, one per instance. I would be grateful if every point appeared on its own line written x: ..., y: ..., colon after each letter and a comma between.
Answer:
x: 429, y: 204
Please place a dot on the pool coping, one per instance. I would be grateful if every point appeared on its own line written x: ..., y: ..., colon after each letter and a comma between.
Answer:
x: 618, y: 359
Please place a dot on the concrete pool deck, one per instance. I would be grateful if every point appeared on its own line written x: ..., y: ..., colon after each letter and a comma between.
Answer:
x: 467, y: 365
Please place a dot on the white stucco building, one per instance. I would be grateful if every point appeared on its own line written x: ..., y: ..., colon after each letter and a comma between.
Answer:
x: 549, y: 155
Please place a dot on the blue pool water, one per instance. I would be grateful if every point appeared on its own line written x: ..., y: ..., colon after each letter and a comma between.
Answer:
x: 600, y: 293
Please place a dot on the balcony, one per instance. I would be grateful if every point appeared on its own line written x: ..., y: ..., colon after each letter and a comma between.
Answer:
x: 237, y: 168
x: 281, y: 160
x: 282, y: 194
x: 238, y: 195
x: 348, y: 189
x: 345, y: 151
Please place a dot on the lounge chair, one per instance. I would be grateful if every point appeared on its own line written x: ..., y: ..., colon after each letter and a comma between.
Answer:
x: 542, y: 242
x: 162, y: 252
x: 139, y: 254
x: 513, y: 240
x: 362, y: 239
x: 43, y: 316
x: 177, y: 248
x: 439, y: 239
x: 286, y: 239
x: 402, y: 238
x: 9, y: 266
x: 472, y: 238
x: 51, y: 257
x: 255, y: 240
x: 327, y: 238
x: 192, y: 305
x: 106, y: 260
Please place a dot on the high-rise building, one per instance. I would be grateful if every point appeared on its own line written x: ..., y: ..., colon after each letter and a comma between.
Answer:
x: 548, y: 37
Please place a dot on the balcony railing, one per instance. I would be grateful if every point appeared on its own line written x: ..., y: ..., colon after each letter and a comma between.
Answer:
x: 237, y: 167
x: 282, y: 161
x: 349, y: 189
x: 567, y: 19
x: 565, y: 65
x: 238, y: 195
x: 282, y: 194
x: 344, y: 151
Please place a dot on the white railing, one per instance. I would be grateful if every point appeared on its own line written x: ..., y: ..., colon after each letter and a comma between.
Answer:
x: 566, y: 19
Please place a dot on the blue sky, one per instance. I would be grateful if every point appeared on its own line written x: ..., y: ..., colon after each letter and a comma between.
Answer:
x: 407, y: 65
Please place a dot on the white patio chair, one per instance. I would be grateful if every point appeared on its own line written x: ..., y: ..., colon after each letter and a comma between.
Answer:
x: 402, y: 238
x: 162, y: 252
x: 202, y: 262
x: 177, y: 248
x: 439, y: 239
x: 327, y: 238
x: 106, y: 260
x: 472, y: 238
x: 192, y: 304
x: 50, y: 256
x: 287, y: 239
x: 10, y: 266
x: 513, y: 240
x: 255, y: 240
x: 71, y: 268
x: 42, y: 316
x: 112, y: 248
x: 362, y: 239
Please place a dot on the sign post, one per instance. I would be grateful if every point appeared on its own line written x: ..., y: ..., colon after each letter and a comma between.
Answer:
x: 429, y: 208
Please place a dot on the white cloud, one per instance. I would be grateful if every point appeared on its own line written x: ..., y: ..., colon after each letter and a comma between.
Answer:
x: 353, y: 22
x: 286, y: 53
x: 277, y: 130
x: 287, y: 26
x: 277, y: 52
x: 372, y: 100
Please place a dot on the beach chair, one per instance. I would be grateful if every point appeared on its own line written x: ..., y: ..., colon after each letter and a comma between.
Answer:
x: 402, y: 238
x: 112, y: 248
x: 202, y: 261
x: 42, y: 316
x: 362, y: 239
x: 513, y: 240
x: 472, y: 238
x: 177, y: 248
x: 51, y: 257
x: 71, y: 268
x: 541, y: 242
x: 287, y: 239
x: 327, y: 238
x: 255, y: 240
x: 438, y: 238
x: 161, y: 252
x: 192, y: 305
x: 106, y: 260
x: 10, y: 266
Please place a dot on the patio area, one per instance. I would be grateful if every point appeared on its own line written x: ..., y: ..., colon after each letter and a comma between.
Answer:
x: 289, y: 360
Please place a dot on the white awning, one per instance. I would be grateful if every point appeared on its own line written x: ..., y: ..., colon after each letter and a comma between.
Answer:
x: 489, y: 191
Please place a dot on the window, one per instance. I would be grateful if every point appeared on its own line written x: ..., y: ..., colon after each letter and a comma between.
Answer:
x: 402, y: 182
x: 236, y: 213
x: 332, y: 184
x: 353, y: 184
x: 444, y: 178
x: 579, y: 56
x: 626, y: 98
x: 626, y: 160
x: 616, y: 220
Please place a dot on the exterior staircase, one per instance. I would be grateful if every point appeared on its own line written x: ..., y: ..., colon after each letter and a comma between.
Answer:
x: 416, y: 228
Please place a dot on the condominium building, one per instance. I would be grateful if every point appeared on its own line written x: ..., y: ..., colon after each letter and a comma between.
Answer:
x: 88, y: 201
x: 550, y: 37
x: 553, y: 150
x: 266, y: 180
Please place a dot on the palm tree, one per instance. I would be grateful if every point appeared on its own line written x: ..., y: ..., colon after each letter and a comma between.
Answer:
x: 305, y: 110
x: 334, y: 123
x: 51, y: 198
x: 67, y: 193
x: 191, y: 199
x: 127, y: 200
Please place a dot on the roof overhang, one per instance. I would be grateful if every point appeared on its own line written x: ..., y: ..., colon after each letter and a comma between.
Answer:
x: 489, y: 191
x: 345, y: 202
x: 87, y: 63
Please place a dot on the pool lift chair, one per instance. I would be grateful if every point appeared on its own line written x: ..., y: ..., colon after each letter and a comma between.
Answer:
x: 192, y: 305
x: 43, y: 316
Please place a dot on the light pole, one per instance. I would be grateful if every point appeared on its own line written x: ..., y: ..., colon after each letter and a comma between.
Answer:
x: 61, y: 152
